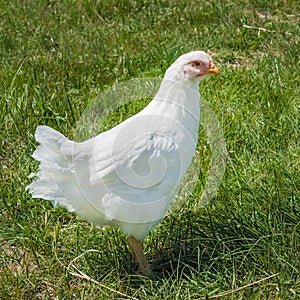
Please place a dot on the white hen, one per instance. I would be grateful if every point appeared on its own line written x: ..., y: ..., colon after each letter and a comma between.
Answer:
x: 128, y: 175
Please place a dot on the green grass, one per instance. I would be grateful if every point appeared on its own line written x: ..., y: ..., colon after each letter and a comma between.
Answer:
x: 57, y: 56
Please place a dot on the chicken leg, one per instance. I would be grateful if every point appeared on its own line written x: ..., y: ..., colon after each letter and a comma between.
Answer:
x: 137, y: 248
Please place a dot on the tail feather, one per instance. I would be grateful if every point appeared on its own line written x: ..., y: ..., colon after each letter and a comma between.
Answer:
x: 55, y: 177
x: 52, y: 147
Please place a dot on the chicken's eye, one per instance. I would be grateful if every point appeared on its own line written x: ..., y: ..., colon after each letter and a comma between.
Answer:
x: 196, y: 63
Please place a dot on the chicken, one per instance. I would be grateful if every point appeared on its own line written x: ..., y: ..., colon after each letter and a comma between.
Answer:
x: 127, y: 176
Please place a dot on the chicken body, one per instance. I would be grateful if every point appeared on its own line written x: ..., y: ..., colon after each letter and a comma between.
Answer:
x: 128, y: 175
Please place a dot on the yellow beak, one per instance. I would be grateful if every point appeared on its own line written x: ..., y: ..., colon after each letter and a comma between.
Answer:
x: 212, y: 70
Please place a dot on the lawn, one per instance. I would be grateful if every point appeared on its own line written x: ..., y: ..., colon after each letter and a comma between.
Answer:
x: 58, y: 56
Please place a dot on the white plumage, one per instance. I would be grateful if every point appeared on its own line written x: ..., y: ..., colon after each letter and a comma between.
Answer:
x: 128, y: 175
